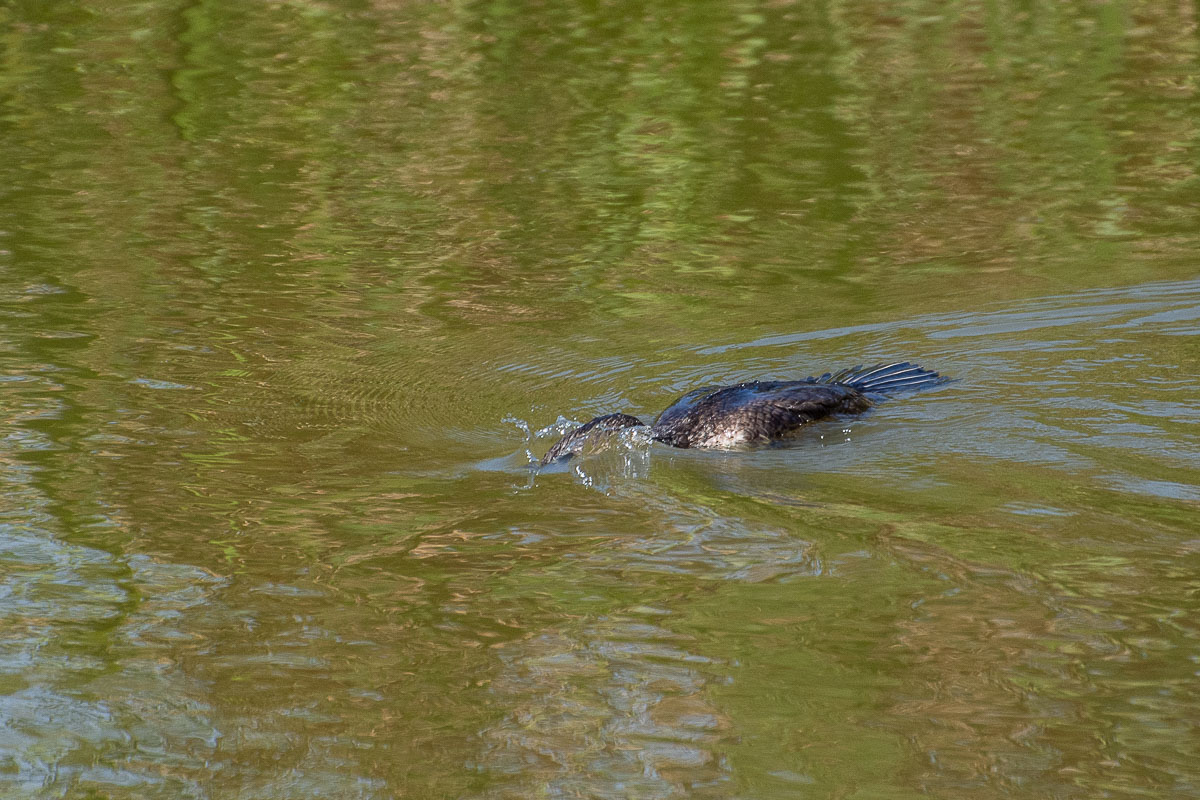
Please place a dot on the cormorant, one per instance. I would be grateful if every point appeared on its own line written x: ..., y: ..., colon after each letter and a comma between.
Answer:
x: 754, y: 412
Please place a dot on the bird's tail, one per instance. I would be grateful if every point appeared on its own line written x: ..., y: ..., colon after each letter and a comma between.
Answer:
x: 884, y: 378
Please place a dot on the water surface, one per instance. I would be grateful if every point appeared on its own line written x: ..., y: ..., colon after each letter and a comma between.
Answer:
x: 284, y: 287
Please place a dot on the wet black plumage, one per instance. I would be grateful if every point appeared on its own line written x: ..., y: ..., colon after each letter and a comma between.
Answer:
x: 754, y: 412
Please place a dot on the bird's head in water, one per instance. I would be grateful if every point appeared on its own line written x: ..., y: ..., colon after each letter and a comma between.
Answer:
x: 591, y: 437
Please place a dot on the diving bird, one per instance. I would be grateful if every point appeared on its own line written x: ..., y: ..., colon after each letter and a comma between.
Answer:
x: 758, y: 412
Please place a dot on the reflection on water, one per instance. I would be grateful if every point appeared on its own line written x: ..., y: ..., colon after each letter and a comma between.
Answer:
x: 621, y: 706
x: 291, y: 295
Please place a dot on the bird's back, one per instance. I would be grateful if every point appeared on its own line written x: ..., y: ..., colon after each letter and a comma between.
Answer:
x: 759, y: 411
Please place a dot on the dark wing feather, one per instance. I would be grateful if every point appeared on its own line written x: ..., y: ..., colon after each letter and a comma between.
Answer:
x: 807, y: 401
x: 680, y: 407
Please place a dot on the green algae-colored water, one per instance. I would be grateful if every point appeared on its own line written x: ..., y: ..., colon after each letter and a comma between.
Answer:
x: 289, y: 289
